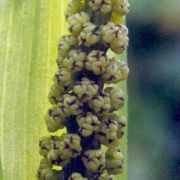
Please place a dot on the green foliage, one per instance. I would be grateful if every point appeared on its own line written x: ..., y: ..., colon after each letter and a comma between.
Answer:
x: 29, y: 32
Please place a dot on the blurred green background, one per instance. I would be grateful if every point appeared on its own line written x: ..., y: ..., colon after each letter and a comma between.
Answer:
x: 154, y: 90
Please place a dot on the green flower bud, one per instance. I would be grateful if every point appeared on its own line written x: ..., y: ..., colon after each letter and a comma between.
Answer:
x: 63, y: 76
x: 107, y: 133
x: 107, y: 177
x: 45, y: 164
x: 114, y: 161
x: 107, y: 32
x: 76, y: 176
x: 85, y: 89
x: 59, y: 110
x: 74, y: 7
x: 103, y: 6
x: 122, y: 40
x: 60, y: 59
x: 115, y: 36
x: 67, y: 106
x: 57, y: 158
x: 55, y: 93
x: 121, y: 7
x: 47, y: 174
x: 61, y: 150
x: 94, y: 160
x: 117, y: 97
x: 88, y: 124
x: 112, y: 73
x: 124, y: 70
x: 72, y: 142
x: 76, y: 22
x: 74, y: 62
x: 72, y: 104
x: 45, y: 144
x: 54, y: 123
x: 101, y: 104
x: 65, y: 44
x: 116, y: 71
x: 96, y: 61
x: 89, y: 35
x: 121, y: 124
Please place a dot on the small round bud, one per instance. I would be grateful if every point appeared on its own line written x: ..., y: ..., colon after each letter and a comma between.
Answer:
x: 116, y: 71
x: 54, y: 123
x: 88, y: 124
x: 47, y: 174
x: 72, y: 104
x: 45, y: 164
x: 55, y: 93
x: 63, y: 76
x: 59, y: 110
x: 85, y: 89
x: 76, y: 176
x: 107, y: 32
x: 121, y: 7
x: 65, y: 44
x: 74, y: 7
x: 101, y: 104
x: 122, y: 40
x: 114, y: 161
x: 107, y: 133
x: 121, y: 124
x: 107, y: 177
x: 45, y: 144
x: 89, y: 35
x: 117, y: 97
x: 61, y: 150
x: 64, y: 79
x: 124, y: 70
x: 96, y: 61
x: 70, y: 145
x: 67, y: 106
x: 57, y: 159
x: 103, y: 6
x: 76, y: 22
x: 94, y: 160
x: 74, y: 62
x: 115, y: 36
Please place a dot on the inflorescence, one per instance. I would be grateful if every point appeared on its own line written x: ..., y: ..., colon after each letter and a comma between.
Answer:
x: 84, y: 98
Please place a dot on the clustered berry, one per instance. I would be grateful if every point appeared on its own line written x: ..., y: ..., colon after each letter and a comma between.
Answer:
x: 83, y: 96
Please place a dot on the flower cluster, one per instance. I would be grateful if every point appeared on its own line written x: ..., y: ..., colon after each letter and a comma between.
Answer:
x: 94, y: 160
x: 45, y: 170
x: 85, y: 89
x: 83, y: 96
x: 114, y: 161
x: 121, y: 7
x: 88, y: 124
x: 59, y: 150
x: 104, y: 6
x: 76, y: 176
x: 115, y: 36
